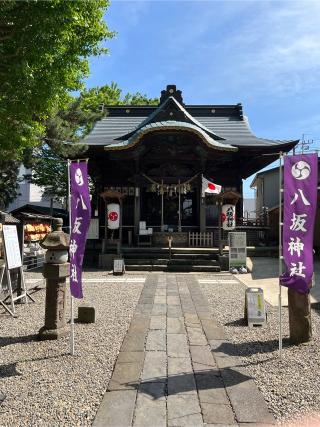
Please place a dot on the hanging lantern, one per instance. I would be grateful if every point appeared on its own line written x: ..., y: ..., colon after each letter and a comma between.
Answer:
x: 113, y: 216
x: 228, y: 217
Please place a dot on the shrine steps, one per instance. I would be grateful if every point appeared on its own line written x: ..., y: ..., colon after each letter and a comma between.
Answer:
x: 180, y: 260
x: 176, y: 268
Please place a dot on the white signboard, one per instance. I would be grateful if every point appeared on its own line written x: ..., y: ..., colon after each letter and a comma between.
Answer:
x: 118, y: 265
x: 237, y: 249
x: 12, y: 248
x: 256, y: 312
x: 93, y: 232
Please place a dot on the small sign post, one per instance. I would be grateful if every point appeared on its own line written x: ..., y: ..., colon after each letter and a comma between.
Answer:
x: 237, y: 249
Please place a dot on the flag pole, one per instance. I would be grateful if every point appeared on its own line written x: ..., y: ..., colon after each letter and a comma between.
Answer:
x: 280, y: 254
x: 71, y: 297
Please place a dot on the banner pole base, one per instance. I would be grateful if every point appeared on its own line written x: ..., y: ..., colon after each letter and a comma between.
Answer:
x: 72, y: 329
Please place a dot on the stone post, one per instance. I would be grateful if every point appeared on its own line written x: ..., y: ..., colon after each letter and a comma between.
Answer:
x: 299, y: 317
x: 55, y: 270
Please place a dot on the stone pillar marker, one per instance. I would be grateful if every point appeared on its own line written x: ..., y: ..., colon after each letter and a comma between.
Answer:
x: 55, y: 270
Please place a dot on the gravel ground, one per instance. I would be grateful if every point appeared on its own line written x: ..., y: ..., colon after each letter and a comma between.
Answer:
x: 292, y: 387
x: 44, y: 385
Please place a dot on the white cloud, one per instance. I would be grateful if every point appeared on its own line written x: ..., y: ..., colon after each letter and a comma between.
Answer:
x: 268, y: 47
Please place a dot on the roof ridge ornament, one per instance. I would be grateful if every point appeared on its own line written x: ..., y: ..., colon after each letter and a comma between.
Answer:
x: 171, y: 90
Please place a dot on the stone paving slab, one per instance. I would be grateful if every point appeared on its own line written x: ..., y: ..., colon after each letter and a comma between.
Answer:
x: 184, y: 410
x: 176, y: 368
x: 116, y: 409
x: 177, y: 345
x: 158, y: 322
x: 155, y: 366
x: 151, y: 408
x: 175, y: 325
x: 156, y: 340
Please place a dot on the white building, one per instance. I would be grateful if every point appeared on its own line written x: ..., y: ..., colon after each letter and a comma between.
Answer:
x: 30, y: 193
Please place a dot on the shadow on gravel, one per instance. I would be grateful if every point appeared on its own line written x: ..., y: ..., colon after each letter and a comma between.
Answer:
x: 4, y: 341
x: 186, y: 382
x: 9, y: 370
x: 238, y: 322
x: 250, y: 347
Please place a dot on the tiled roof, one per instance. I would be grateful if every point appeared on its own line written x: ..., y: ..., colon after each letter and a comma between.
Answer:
x: 225, y: 123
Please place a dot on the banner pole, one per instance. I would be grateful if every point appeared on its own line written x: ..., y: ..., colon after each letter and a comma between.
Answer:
x: 71, y: 297
x: 280, y: 254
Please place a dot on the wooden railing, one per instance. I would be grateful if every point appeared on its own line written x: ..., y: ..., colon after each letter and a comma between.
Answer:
x: 200, y: 240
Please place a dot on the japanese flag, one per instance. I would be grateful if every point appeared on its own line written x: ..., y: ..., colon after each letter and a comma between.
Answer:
x: 210, y: 187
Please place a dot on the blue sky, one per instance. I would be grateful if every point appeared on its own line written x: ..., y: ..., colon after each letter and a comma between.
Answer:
x: 264, y: 54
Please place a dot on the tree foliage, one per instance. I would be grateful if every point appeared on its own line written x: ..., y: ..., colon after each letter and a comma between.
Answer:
x: 44, y: 50
x: 9, y: 182
x: 69, y: 125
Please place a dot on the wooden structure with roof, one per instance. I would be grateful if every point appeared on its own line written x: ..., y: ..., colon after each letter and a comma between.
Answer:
x: 156, y: 155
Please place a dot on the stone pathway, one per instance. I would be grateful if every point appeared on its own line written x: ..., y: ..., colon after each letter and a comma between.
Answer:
x: 172, y: 369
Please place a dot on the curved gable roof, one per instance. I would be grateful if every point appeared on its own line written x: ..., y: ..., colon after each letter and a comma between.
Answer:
x: 136, y: 137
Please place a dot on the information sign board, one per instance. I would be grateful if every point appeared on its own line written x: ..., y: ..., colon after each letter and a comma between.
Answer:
x: 255, y: 307
x: 237, y: 249
x: 118, y: 265
x: 12, y: 248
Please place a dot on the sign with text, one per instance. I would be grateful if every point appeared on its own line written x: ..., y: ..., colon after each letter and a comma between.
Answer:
x: 300, y: 206
x: 80, y: 213
x: 237, y: 249
x: 12, y: 248
x: 255, y: 307
x: 118, y: 265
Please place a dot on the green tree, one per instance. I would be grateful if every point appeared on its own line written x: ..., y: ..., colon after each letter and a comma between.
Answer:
x: 69, y: 125
x: 9, y: 181
x: 44, y: 50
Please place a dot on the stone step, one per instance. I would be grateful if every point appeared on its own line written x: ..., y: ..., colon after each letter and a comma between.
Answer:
x: 145, y: 267
x: 145, y: 255
x: 194, y: 256
x: 194, y: 268
x: 174, y: 268
x: 145, y: 261
x: 192, y: 262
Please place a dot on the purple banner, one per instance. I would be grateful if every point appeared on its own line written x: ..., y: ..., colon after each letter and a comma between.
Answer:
x: 80, y: 221
x: 300, y: 205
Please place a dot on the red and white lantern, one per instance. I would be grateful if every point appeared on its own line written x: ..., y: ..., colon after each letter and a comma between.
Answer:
x: 113, y: 216
x: 228, y: 217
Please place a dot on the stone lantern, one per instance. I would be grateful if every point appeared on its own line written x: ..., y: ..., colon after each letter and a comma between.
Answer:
x: 55, y: 270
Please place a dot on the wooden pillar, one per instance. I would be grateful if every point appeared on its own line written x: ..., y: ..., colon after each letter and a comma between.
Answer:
x: 202, y: 213
x: 137, y: 193
x: 220, y: 202
x: 179, y: 211
x: 239, y: 204
x: 162, y: 206
x: 120, y: 227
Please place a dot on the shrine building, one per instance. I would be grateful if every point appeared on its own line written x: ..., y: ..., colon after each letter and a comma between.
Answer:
x: 151, y: 160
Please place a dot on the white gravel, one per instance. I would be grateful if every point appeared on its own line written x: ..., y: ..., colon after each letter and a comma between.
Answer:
x: 291, y: 387
x: 44, y: 385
